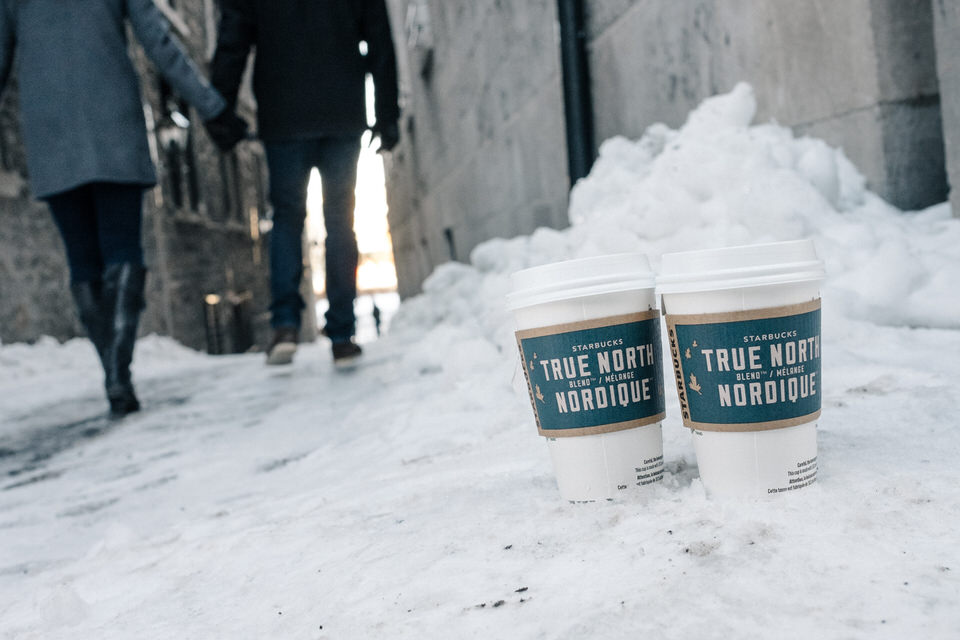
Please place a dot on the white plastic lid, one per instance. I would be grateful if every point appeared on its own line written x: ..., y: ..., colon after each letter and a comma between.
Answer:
x: 578, y: 278
x: 737, y: 267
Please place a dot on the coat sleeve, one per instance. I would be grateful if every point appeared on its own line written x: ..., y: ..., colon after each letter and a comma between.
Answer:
x: 235, y: 38
x: 381, y: 60
x: 153, y: 32
x: 7, y: 44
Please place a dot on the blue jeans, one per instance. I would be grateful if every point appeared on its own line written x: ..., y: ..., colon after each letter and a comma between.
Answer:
x: 289, y: 164
x: 100, y: 225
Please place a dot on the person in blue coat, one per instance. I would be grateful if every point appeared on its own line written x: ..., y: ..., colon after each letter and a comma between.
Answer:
x: 87, y: 152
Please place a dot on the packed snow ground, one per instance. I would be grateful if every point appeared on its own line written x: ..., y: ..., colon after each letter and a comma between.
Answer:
x: 412, y: 498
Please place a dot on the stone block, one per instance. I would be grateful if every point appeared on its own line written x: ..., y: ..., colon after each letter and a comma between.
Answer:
x: 652, y: 65
x: 861, y: 139
x: 913, y: 152
x: 808, y: 61
x: 903, y: 35
x: 946, y: 15
x: 34, y: 284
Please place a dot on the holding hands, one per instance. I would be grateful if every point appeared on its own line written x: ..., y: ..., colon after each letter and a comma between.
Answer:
x: 226, y: 129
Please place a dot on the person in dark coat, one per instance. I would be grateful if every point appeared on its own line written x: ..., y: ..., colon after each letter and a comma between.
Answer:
x: 87, y: 152
x: 309, y: 80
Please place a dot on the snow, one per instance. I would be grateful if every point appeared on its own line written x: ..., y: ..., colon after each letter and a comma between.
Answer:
x: 412, y: 498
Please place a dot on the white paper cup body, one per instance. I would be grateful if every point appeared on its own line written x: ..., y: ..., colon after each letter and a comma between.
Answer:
x: 602, y: 465
x: 761, y: 462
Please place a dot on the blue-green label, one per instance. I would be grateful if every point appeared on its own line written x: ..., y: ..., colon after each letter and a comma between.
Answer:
x: 595, y: 376
x: 748, y: 370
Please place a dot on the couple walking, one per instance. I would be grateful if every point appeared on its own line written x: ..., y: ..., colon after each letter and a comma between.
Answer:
x: 89, y: 160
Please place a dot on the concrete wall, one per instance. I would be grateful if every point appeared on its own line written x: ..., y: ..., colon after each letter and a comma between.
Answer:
x: 860, y: 73
x: 484, y: 154
x: 483, y: 145
x: 947, y: 21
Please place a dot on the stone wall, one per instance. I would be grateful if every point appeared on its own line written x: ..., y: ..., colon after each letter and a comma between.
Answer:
x: 201, y: 227
x: 34, y: 285
x: 209, y: 243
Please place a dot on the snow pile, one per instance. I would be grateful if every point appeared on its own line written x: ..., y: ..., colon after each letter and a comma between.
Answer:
x: 413, y: 498
x: 718, y: 181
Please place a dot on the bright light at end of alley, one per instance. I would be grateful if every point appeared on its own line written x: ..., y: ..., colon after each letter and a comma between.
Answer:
x: 376, y: 271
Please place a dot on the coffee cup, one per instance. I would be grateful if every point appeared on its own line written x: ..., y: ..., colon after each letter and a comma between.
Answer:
x: 743, y: 326
x: 588, y: 333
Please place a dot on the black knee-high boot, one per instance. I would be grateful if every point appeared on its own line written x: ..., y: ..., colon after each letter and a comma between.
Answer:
x: 88, y: 296
x: 123, y: 301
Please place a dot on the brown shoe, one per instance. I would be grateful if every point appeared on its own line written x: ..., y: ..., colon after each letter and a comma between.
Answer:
x: 283, y: 345
x: 346, y: 354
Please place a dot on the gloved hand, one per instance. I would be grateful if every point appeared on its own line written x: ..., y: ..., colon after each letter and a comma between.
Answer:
x: 226, y: 129
x: 389, y: 135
